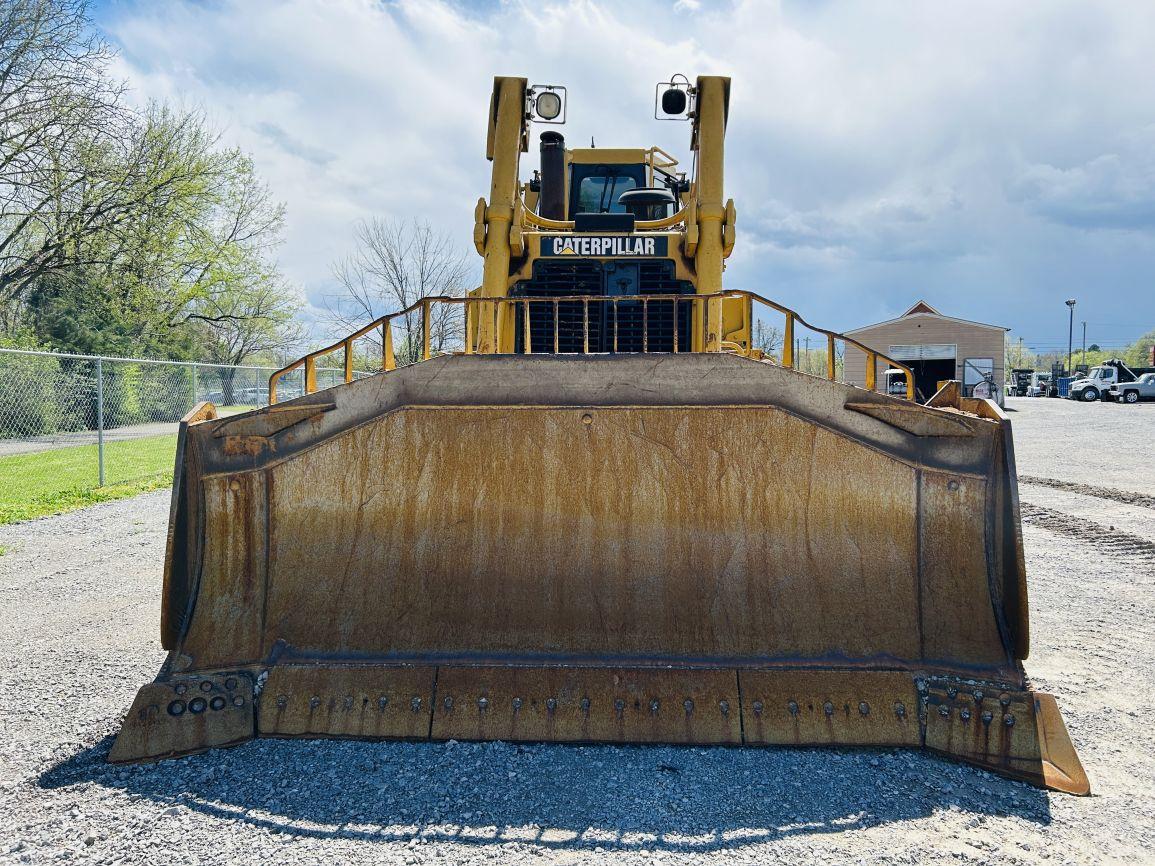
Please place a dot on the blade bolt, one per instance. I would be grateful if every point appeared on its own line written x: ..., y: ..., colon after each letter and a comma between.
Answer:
x: 864, y: 708
x: 197, y: 705
x: 792, y: 707
x: 180, y: 688
x: 724, y: 706
x: 828, y: 708
x: 206, y: 686
x: 619, y: 705
x: 900, y: 709
x: 1009, y: 720
x: 348, y: 702
x: 314, y: 702
x: 654, y: 705
x: 282, y: 701
x: 517, y: 703
x: 448, y: 702
x: 482, y: 703
x: 1005, y: 699
x: 951, y: 692
x: 382, y: 702
x: 217, y: 703
x: 757, y: 708
x: 978, y: 696
x: 551, y: 704
x: 987, y: 717
x: 952, y: 485
x: 585, y: 705
x: 415, y: 704
x: 965, y: 715
x: 688, y: 705
x: 231, y: 683
x: 943, y: 711
x: 176, y: 708
x: 238, y: 701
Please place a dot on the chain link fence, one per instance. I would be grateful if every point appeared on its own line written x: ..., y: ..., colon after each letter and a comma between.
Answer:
x: 51, y: 401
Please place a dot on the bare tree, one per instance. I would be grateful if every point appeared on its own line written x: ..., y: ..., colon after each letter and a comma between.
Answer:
x: 767, y: 338
x: 249, y: 320
x: 395, y: 264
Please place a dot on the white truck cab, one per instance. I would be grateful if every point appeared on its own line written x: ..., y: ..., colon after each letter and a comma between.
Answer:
x: 1099, y: 381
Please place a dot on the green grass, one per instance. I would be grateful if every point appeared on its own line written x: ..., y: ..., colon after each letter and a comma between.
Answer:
x: 51, y: 482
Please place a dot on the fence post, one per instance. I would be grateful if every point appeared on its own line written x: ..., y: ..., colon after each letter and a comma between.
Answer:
x: 100, y: 419
x: 194, y: 378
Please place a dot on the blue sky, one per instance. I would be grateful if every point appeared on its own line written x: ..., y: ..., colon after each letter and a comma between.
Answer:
x: 993, y: 158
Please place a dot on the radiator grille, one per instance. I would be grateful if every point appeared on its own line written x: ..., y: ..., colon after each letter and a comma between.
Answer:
x: 601, y: 279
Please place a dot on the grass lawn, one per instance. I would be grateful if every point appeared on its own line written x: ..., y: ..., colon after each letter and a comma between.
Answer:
x: 49, y: 482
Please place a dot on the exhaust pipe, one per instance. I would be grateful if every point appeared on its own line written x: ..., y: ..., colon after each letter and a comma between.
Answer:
x: 552, y: 202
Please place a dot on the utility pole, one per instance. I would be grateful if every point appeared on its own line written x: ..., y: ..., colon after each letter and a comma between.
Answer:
x: 1083, y: 360
x: 807, y: 353
x: 1070, y: 332
x: 1020, y: 364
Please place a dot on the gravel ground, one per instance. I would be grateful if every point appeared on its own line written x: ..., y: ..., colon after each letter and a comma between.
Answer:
x: 80, y: 600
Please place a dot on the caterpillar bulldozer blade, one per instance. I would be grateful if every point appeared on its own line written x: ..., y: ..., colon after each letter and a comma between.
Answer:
x: 568, y: 530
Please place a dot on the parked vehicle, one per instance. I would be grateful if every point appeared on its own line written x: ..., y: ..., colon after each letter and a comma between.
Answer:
x: 1098, y: 382
x: 1020, y: 383
x: 1142, y: 388
x: 1040, y: 385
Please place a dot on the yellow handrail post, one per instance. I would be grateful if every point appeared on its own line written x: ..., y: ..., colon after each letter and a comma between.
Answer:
x: 830, y: 357
x: 425, y: 355
x: 348, y: 361
x: 468, y: 326
x: 713, y: 324
x: 527, y: 342
x: 389, y: 360
x: 273, y: 380
x: 788, y: 342
x: 909, y: 385
x: 871, y: 371
x: 586, y: 327
x: 310, y: 374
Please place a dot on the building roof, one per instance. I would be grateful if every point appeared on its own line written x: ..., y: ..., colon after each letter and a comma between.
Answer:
x: 922, y: 307
x: 922, y: 310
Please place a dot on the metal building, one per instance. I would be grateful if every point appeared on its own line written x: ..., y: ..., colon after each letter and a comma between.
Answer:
x: 937, y: 348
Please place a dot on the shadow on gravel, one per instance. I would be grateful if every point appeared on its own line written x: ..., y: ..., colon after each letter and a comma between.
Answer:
x: 555, y: 796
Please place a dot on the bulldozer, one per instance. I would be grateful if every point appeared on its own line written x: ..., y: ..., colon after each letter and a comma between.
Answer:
x: 603, y: 511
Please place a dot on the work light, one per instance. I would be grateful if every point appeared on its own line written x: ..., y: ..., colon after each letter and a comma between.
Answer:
x: 545, y: 103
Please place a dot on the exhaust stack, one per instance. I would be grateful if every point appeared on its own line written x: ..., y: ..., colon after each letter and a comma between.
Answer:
x: 552, y: 202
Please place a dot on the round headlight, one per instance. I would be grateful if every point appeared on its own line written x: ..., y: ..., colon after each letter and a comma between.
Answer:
x: 548, y: 105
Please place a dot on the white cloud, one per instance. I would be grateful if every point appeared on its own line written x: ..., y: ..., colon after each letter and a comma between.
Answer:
x: 878, y: 151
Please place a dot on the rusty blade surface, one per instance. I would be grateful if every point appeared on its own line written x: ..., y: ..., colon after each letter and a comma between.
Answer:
x: 629, y: 532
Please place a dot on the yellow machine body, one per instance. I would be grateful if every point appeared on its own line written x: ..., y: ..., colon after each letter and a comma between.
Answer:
x: 602, y: 518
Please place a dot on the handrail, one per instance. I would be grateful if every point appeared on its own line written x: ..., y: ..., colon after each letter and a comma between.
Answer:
x: 475, y: 306
x: 568, y: 225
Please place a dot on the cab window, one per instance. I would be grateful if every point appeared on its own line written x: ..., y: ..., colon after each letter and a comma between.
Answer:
x: 596, y: 188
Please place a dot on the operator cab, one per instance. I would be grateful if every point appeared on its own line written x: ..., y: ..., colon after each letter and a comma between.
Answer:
x: 632, y: 182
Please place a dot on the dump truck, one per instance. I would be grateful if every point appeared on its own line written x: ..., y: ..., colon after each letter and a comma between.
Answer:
x: 601, y: 512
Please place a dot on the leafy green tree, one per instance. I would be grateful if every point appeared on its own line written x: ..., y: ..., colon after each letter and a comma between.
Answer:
x: 1141, y: 351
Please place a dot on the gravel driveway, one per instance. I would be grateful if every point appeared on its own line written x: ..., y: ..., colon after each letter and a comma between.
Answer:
x: 79, y: 598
